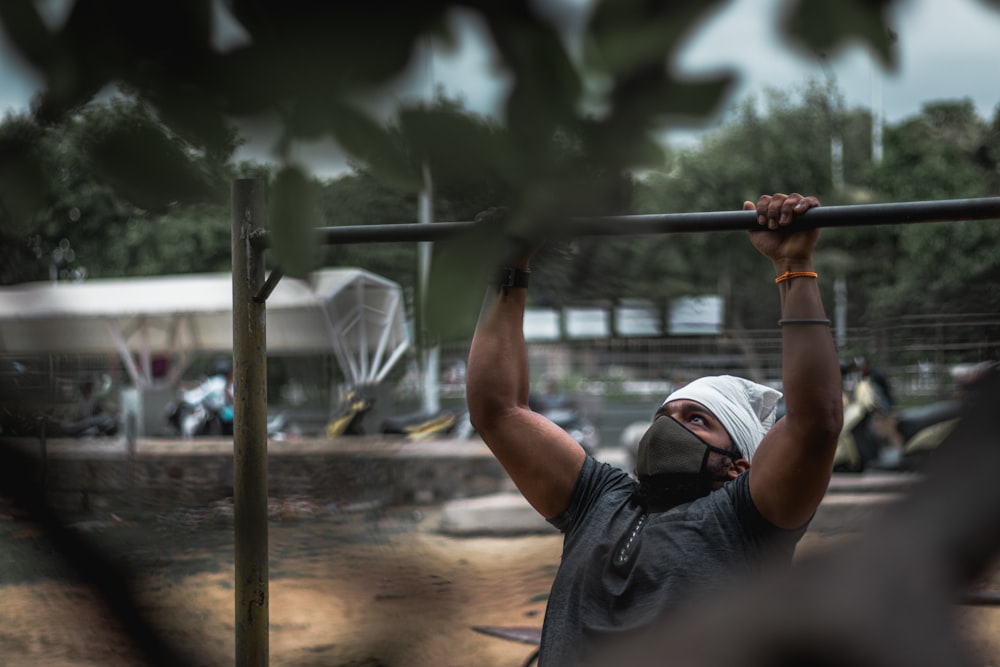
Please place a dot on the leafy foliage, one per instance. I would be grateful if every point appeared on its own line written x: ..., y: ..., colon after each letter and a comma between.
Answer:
x: 945, y: 152
x: 139, y: 184
x: 116, y: 227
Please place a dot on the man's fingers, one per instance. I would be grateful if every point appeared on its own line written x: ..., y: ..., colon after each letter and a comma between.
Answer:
x: 805, y: 204
x: 774, y: 207
x: 778, y: 210
x: 789, y: 207
x: 761, y: 207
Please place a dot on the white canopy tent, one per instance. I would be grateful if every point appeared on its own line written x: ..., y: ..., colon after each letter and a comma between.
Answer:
x: 355, y: 314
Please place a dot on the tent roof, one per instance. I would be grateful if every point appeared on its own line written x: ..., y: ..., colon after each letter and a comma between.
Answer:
x: 353, y: 313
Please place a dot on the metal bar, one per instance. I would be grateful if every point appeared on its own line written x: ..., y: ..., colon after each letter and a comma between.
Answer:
x: 145, y: 357
x: 383, y: 339
x: 114, y: 330
x: 249, y: 427
x: 854, y: 215
x: 359, y: 290
x: 340, y: 350
x: 980, y: 599
x: 269, y: 285
x: 397, y: 353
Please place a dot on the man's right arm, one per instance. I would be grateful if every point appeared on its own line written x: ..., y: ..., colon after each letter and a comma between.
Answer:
x: 541, y: 458
x: 791, y: 469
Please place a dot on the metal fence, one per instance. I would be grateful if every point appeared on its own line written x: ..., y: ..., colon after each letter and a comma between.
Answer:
x: 918, y: 353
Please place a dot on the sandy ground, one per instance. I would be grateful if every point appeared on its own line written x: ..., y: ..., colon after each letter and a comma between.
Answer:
x: 364, y: 588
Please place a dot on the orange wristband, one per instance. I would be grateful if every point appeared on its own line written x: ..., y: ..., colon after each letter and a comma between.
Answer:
x: 788, y: 275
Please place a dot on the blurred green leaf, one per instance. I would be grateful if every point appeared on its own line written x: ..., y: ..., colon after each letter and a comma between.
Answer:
x: 547, y: 86
x: 293, y: 217
x: 460, y: 149
x: 24, y: 185
x: 653, y: 96
x: 372, y: 144
x: 194, y: 116
x: 116, y: 41
x: 629, y: 35
x: 24, y: 27
x: 460, y: 274
x: 146, y: 166
x: 246, y: 81
x: 823, y: 26
x: 690, y: 99
x: 337, y: 45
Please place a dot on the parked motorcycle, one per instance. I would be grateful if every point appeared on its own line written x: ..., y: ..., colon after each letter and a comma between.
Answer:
x: 98, y: 425
x: 858, y: 445
x: 203, y: 410
x: 347, y: 418
x: 913, y: 433
x: 91, y: 417
x: 422, y: 425
x: 923, y: 429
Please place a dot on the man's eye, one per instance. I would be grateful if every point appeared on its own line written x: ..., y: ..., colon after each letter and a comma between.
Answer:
x: 697, y: 419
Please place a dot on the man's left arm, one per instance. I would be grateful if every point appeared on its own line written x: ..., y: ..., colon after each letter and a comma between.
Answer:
x: 791, y: 469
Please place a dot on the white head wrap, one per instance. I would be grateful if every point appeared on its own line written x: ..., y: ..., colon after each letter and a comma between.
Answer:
x: 746, y: 409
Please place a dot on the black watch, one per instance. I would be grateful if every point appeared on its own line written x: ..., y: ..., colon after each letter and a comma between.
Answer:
x: 511, y: 277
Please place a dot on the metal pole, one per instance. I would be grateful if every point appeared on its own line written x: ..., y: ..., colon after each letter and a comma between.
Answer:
x: 840, y: 311
x: 429, y: 350
x: 249, y: 426
x: 855, y: 215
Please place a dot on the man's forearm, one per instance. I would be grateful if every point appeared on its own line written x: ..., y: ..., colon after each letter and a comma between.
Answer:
x: 497, y: 374
x: 810, y: 366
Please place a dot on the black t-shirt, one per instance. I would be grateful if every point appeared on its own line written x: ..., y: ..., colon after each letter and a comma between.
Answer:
x: 622, y: 569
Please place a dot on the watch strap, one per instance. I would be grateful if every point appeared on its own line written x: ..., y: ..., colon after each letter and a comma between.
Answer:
x: 511, y: 277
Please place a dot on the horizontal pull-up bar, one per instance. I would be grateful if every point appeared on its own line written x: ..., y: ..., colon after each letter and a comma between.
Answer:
x: 854, y: 215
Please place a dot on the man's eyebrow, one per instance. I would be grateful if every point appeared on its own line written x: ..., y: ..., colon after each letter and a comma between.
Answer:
x: 702, y: 411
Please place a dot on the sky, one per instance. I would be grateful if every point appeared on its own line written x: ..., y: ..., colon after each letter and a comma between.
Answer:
x: 948, y: 49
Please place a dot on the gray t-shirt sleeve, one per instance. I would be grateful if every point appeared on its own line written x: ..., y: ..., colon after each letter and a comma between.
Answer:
x: 766, y: 535
x: 595, y: 480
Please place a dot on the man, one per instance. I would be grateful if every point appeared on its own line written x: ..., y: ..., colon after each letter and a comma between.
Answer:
x: 719, y: 490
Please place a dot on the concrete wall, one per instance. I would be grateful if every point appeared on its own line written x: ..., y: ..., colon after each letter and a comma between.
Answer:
x: 167, y: 477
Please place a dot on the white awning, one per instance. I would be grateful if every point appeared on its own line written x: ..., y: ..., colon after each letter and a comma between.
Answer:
x: 355, y: 314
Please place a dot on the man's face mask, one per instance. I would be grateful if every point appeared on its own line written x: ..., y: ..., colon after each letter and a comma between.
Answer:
x: 668, y: 447
x: 672, y: 463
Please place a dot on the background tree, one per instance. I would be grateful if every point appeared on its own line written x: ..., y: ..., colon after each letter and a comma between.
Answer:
x: 115, y: 228
x: 784, y: 147
x: 947, y: 151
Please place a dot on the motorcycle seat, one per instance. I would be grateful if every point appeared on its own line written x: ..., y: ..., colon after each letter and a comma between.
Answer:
x: 404, y: 423
x: 911, y: 421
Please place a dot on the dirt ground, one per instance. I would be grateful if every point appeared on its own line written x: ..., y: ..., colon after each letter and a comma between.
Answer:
x: 348, y: 586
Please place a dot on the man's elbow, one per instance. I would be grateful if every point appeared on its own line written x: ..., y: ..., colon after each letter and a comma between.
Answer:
x: 827, y: 424
x: 490, y: 421
x: 478, y: 418
x: 484, y: 410
x: 819, y: 424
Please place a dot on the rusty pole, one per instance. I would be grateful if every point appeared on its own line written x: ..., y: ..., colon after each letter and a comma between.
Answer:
x: 249, y: 426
